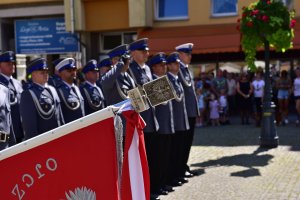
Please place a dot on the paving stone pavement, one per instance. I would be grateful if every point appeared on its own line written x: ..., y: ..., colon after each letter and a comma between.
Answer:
x: 233, y: 167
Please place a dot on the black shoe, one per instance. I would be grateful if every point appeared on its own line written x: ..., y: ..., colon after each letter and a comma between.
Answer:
x: 163, y: 192
x: 175, y: 183
x: 194, y: 173
x: 168, y: 188
x: 188, y: 174
x: 154, y: 197
x: 183, y: 180
x: 160, y: 192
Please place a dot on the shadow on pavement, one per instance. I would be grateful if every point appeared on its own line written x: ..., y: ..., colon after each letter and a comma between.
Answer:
x: 249, y: 161
x: 244, y: 135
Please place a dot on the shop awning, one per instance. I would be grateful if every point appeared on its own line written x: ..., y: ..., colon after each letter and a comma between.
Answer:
x: 224, y: 38
x: 206, y: 39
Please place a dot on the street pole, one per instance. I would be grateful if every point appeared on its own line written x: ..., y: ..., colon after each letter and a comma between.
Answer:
x: 268, y: 137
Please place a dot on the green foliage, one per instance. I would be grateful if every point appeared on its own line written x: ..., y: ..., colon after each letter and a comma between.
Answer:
x: 266, y: 20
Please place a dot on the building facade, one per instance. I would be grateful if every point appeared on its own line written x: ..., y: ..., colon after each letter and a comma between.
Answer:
x: 100, y: 25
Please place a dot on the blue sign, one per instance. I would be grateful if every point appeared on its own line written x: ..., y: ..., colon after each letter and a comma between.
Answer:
x: 46, y: 36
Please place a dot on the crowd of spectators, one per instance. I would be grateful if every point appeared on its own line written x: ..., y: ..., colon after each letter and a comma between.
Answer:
x: 226, y: 94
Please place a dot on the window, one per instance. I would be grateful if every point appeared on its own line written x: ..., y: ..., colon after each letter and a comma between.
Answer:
x: 171, y: 9
x: 109, y: 41
x: 222, y: 8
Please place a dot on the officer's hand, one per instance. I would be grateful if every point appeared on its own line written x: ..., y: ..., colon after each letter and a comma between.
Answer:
x: 125, y: 58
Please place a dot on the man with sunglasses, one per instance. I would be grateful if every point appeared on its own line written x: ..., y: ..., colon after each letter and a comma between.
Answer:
x: 40, y: 105
x: 72, y: 102
x: 7, y: 68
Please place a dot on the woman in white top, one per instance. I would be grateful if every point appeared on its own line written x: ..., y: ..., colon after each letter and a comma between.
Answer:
x: 296, y: 89
x: 258, y: 91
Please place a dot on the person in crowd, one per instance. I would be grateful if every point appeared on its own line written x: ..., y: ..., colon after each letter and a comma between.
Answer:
x: 283, y: 85
x: 198, y: 82
x: 92, y: 94
x: 223, y: 107
x: 214, y: 108
x: 41, y: 101
x: 206, y: 93
x: 7, y: 68
x: 219, y: 83
x: 201, y: 106
x: 164, y: 114
x: 141, y: 74
x: 72, y: 101
x: 296, y: 90
x: 244, y: 91
x: 231, y: 93
x: 274, y: 79
x: 181, y: 123
x: 258, y: 91
x: 186, y: 78
x: 117, y: 82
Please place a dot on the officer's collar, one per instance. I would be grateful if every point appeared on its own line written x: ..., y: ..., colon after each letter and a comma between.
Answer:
x: 6, y: 77
x: 142, y: 66
x: 184, y: 65
x: 69, y: 85
x: 173, y: 75
x: 91, y: 84
x: 40, y: 85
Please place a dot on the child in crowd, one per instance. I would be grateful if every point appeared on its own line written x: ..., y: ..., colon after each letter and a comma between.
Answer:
x: 223, y: 106
x: 214, y: 110
x: 201, y: 106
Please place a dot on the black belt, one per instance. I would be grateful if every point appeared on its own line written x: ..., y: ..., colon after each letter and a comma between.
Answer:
x: 4, y: 136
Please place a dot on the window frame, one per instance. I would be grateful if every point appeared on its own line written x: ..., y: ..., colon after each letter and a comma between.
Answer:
x: 228, y: 14
x: 157, y: 18
x: 102, y: 35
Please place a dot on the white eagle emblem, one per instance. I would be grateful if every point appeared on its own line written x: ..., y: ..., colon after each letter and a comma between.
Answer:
x: 81, y: 194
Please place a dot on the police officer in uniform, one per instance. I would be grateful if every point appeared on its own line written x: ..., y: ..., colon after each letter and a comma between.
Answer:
x: 7, y: 68
x: 40, y: 105
x: 72, y: 102
x: 7, y: 136
x: 117, y: 82
x: 104, y: 65
x: 181, y: 123
x: 141, y: 73
x: 92, y: 94
x: 185, y: 55
x: 164, y: 115
x: 55, y: 79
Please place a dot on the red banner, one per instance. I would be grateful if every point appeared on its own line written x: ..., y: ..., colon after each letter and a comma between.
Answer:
x: 81, y: 164
x: 135, y: 173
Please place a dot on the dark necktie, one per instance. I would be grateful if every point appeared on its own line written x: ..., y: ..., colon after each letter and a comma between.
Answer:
x: 74, y: 90
x: 179, y: 86
x: 12, y: 84
x: 48, y: 90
